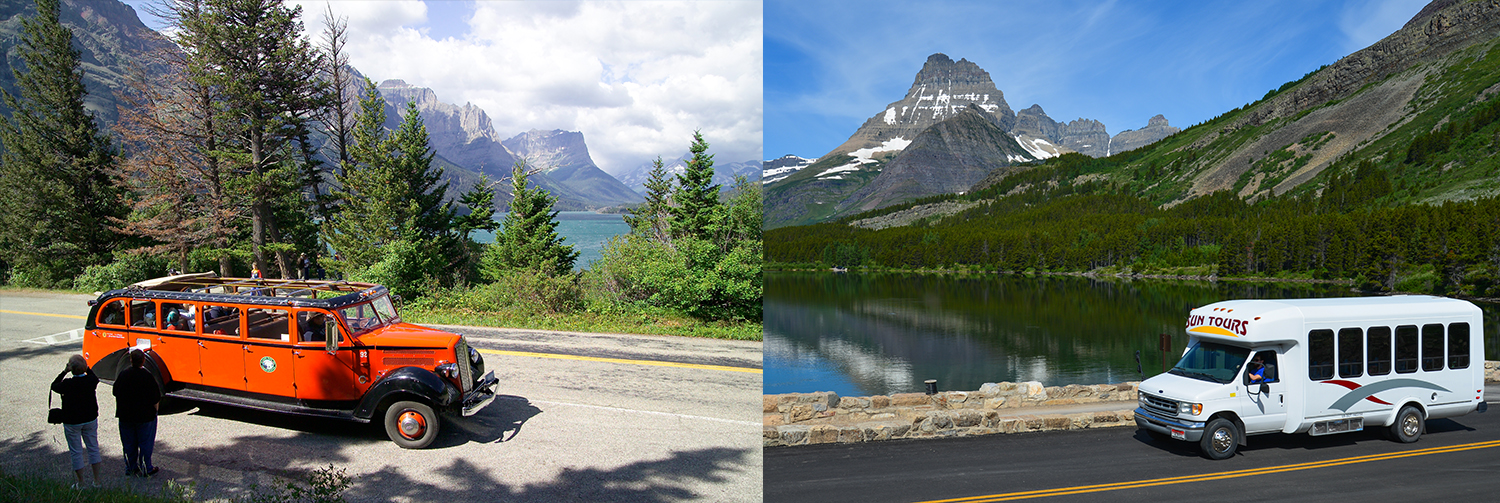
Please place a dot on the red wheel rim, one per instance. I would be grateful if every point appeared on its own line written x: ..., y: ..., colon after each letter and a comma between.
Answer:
x: 411, y: 424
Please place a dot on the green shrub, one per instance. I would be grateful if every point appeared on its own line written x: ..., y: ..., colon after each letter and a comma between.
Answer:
x: 410, y: 269
x: 127, y: 268
x: 689, y: 275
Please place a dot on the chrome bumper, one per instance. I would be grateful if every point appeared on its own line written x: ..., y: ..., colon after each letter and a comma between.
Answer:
x: 1191, y: 430
x: 481, y: 395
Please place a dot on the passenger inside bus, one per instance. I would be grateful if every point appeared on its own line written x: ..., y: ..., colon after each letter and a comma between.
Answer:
x: 1263, y: 367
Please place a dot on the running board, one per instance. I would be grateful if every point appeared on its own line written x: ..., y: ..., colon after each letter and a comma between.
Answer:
x: 264, y: 405
x: 1337, y: 426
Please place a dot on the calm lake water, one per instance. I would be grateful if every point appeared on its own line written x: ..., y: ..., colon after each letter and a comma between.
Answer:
x: 587, y: 231
x: 875, y: 334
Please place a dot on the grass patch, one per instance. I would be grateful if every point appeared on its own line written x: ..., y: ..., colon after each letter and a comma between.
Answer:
x: 36, y: 488
x: 644, y: 323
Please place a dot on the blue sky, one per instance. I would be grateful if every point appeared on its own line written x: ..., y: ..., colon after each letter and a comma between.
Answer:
x: 829, y: 66
x: 636, y: 77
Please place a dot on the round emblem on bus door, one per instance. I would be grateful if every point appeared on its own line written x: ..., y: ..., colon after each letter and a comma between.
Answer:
x: 268, y: 364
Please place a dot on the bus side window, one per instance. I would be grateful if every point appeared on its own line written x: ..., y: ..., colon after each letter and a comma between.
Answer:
x: 1432, y: 347
x: 113, y: 313
x: 1379, y: 356
x: 1320, y: 354
x: 1351, y: 352
x: 311, y: 326
x: 1406, y: 349
x: 143, y: 313
x: 1458, y: 345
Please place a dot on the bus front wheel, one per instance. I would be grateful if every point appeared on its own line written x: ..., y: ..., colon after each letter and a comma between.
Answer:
x: 1220, y: 438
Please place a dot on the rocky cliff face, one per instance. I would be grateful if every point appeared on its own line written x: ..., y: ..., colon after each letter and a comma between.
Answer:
x: 465, y: 136
x: 567, y: 169
x: 948, y: 157
x: 461, y: 134
x: 1156, y: 129
x: 1440, y: 28
x: 941, y: 89
x: 109, y: 36
x: 1035, y: 123
x: 1086, y: 136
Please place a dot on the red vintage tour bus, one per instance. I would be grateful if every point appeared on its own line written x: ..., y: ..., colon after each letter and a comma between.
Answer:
x: 333, y: 349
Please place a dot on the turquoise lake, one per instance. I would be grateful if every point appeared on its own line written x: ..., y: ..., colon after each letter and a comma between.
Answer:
x: 587, y: 231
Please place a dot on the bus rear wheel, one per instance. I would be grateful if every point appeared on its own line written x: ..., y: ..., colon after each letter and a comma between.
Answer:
x: 1220, y: 438
x: 1408, y: 425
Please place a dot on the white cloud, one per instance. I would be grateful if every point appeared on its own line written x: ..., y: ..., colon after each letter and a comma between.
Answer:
x: 637, y: 77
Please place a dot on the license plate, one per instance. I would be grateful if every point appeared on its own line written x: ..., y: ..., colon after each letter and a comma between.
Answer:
x: 1179, y: 434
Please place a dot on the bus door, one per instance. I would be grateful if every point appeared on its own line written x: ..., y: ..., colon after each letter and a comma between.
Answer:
x: 322, y: 375
x: 221, y: 348
x: 1263, y: 411
x: 176, y: 343
x: 269, y: 366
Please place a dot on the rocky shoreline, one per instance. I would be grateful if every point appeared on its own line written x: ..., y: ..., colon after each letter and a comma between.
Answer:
x: 796, y: 419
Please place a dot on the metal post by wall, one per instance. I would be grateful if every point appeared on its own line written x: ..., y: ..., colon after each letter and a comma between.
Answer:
x: 1166, y: 348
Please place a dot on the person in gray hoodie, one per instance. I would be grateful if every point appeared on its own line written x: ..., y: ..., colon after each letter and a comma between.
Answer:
x: 80, y: 411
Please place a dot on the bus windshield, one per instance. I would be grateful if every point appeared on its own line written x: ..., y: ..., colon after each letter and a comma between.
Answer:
x: 363, y: 318
x: 1211, y: 361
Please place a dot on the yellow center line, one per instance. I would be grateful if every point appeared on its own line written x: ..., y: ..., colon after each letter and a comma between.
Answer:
x: 1062, y: 491
x: 74, y: 316
x: 621, y: 360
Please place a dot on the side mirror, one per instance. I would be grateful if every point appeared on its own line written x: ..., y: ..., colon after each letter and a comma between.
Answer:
x: 331, y: 334
x: 1265, y: 389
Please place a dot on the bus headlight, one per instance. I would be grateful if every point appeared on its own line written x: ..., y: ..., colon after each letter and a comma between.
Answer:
x: 1190, y: 408
x: 449, y: 370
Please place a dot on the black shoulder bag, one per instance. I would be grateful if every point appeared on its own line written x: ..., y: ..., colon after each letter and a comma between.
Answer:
x: 54, y: 415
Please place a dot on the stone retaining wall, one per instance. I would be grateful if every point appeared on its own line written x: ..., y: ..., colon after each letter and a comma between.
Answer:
x: 819, y: 418
x: 825, y: 418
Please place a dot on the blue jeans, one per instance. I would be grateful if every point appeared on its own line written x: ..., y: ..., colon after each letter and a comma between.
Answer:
x: 83, y: 443
x: 138, y: 439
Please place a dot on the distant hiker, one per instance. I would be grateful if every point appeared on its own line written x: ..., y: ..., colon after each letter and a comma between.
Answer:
x: 137, y: 398
x: 80, y: 409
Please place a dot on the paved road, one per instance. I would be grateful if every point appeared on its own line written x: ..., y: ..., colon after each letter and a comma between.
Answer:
x: 1455, y: 460
x: 581, y: 417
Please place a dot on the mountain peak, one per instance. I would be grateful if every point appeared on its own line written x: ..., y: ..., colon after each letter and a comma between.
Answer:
x: 940, y: 70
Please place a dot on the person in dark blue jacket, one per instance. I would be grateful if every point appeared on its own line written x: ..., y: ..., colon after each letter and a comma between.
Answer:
x: 80, y: 411
x: 136, y: 399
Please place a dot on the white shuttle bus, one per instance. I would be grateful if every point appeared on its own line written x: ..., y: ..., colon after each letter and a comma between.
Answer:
x: 1317, y: 366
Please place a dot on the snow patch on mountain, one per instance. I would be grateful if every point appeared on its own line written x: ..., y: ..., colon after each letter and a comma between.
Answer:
x: 864, y: 156
x: 1034, y: 146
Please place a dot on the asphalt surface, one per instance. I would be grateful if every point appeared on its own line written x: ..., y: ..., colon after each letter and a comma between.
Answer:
x: 580, y: 417
x: 1455, y: 460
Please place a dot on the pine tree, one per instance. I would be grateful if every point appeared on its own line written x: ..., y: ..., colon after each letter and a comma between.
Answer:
x: 696, y: 196
x: 251, y: 53
x: 652, y: 219
x: 369, y: 213
x: 390, y: 192
x: 55, y: 165
x: 528, y: 238
x: 429, y: 216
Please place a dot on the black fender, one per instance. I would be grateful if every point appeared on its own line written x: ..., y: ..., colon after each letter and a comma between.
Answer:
x: 110, y: 366
x: 414, y: 382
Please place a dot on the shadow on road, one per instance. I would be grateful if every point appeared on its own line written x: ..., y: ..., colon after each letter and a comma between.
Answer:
x: 1300, y: 441
x: 644, y: 481
x: 506, y: 414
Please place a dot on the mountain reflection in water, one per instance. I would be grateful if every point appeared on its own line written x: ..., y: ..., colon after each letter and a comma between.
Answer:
x: 875, y: 334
